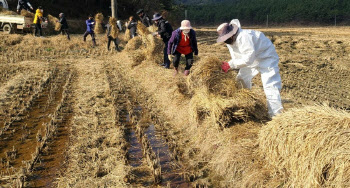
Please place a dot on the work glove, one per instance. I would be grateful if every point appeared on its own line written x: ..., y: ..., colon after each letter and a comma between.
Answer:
x: 225, y: 66
x: 170, y: 57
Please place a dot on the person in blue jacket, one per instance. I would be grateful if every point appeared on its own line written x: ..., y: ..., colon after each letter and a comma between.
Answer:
x: 90, y: 25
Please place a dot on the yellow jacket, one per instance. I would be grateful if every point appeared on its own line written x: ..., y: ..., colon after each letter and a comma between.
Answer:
x: 38, y: 16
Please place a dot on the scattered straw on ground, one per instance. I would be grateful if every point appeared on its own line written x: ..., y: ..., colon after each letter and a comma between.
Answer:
x: 309, y: 146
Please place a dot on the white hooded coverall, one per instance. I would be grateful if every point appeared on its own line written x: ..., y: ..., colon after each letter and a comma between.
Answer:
x: 251, y: 53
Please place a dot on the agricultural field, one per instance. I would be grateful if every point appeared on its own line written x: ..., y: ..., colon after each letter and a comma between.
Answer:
x: 76, y: 116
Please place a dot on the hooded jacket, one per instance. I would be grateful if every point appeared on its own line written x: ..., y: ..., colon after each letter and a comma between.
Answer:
x: 90, y: 24
x: 38, y: 16
x: 164, y: 29
x: 252, y: 49
x: 175, y: 40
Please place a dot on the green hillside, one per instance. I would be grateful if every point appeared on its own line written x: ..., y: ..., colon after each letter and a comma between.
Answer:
x: 279, y: 11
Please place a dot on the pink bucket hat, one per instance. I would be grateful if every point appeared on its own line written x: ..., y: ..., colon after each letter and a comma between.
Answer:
x: 185, y: 24
x: 226, y: 31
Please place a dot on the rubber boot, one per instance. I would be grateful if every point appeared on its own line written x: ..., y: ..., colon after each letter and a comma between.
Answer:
x: 187, y: 72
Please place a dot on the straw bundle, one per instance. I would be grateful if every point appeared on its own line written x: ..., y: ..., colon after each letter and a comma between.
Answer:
x: 309, y: 146
x: 114, y: 28
x: 152, y: 28
x: 244, y: 106
x: 215, y: 95
x: 127, y: 35
x: 99, y: 20
x: 27, y: 14
x: 53, y: 22
x: 154, y: 48
x: 7, y: 12
x: 142, y: 29
x: 133, y: 44
x: 207, y: 73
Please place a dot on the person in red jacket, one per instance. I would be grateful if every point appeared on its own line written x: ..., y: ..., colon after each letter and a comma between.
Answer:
x: 183, y: 41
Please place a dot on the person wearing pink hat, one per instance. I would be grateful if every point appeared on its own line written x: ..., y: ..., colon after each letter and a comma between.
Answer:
x: 252, y: 53
x: 183, y: 41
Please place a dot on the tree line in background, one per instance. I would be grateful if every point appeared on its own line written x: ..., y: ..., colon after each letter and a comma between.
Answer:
x: 206, y: 12
x: 82, y: 8
x: 277, y: 11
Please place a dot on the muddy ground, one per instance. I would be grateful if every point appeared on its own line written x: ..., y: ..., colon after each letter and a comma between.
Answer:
x: 73, y: 115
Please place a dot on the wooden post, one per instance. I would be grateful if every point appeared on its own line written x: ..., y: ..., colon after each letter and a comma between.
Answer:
x: 114, y: 6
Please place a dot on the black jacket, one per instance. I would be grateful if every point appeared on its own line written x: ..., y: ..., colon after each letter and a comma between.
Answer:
x: 164, y: 30
x: 132, y: 27
x: 146, y: 20
x: 64, y: 23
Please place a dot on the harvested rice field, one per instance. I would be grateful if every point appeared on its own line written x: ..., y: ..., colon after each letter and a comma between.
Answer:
x: 76, y: 116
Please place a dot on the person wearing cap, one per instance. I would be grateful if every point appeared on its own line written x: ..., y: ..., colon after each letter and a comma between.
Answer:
x: 183, y: 41
x: 164, y: 31
x: 64, y: 25
x: 132, y: 26
x: 252, y: 53
x: 38, y: 18
x: 23, y: 4
x: 90, y: 25
x: 145, y: 20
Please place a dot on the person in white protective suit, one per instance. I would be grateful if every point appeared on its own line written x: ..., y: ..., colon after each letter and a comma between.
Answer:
x: 252, y: 52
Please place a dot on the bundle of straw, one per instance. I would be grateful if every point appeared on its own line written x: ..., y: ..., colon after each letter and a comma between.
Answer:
x: 99, y: 21
x: 207, y: 73
x: 154, y: 48
x: 152, y: 28
x: 127, y: 35
x: 114, y: 28
x: 53, y: 22
x: 27, y: 14
x: 309, y: 146
x: 216, y: 96
x: 134, y: 44
x: 142, y: 29
x: 7, y: 12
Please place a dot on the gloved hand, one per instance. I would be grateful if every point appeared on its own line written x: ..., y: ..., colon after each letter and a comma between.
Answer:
x: 225, y: 66
x: 170, y: 57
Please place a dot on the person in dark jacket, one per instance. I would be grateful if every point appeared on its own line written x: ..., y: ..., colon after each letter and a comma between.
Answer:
x: 164, y: 31
x: 183, y: 41
x: 145, y: 20
x: 112, y: 33
x: 23, y: 4
x: 132, y: 26
x: 90, y: 25
x: 64, y: 25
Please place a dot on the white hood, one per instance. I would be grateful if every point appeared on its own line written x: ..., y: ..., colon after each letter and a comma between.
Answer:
x: 236, y: 22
